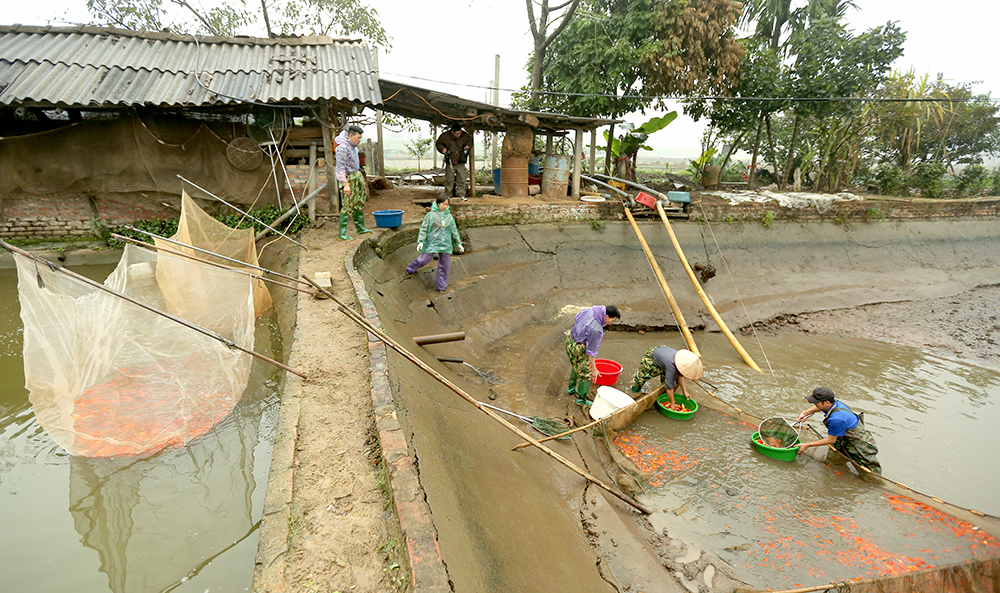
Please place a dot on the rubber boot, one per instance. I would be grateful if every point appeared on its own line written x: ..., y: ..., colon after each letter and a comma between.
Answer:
x: 571, y: 390
x: 582, y: 393
x: 359, y: 223
x: 344, y: 217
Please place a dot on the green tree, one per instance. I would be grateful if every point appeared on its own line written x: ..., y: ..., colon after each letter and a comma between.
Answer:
x: 418, y: 148
x: 616, y: 53
x: 287, y: 17
x: 830, y: 68
x: 557, y: 17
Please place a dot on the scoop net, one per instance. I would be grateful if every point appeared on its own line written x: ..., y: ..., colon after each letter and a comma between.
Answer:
x: 779, y: 433
x: 106, y: 377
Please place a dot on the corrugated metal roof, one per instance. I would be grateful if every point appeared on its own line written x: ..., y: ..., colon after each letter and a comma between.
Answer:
x: 90, y: 66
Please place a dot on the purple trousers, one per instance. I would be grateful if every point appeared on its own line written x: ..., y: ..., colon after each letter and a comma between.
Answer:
x: 444, y: 267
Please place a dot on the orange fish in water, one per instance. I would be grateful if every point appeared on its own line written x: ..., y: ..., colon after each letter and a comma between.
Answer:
x: 679, y: 407
x: 774, y: 442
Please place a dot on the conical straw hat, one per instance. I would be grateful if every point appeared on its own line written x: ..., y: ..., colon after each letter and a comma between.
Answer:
x: 688, y: 364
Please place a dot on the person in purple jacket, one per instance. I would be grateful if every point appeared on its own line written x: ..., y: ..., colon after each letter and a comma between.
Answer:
x: 581, y: 347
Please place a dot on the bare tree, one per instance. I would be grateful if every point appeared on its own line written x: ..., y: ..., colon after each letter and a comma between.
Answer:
x: 548, y: 16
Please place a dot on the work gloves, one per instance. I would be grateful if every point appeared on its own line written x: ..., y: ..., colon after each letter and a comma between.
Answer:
x: 460, y: 249
x: 420, y: 247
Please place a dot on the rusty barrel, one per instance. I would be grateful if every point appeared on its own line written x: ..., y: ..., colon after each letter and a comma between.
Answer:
x: 555, y: 176
x: 513, y: 176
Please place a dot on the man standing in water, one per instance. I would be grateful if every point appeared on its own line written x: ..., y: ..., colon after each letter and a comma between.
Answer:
x: 581, y: 347
x: 672, y: 366
x: 846, y: 430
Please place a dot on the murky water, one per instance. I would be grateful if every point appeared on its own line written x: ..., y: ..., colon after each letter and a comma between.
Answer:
x: 783, y: 524
x: 181, y: 520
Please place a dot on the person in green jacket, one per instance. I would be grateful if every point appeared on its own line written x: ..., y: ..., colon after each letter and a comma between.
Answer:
x: 438, y: 236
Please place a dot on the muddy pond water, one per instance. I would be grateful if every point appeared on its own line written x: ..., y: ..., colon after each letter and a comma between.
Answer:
x: 180, y: 520
x: 784, y: 524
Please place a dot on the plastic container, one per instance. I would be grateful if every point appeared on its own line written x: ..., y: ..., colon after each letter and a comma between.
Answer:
x: 609, y: 400
x: 664, y: 400
x: 388, y: 219
x: 609, y: 370
x: 681, y: 197
x: 496, y: 181
x: 775, y: 452
x: 646, y: 200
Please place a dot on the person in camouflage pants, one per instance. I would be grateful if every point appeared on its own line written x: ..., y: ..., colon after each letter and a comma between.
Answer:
x: 581, y: 347
x: 846, y: 430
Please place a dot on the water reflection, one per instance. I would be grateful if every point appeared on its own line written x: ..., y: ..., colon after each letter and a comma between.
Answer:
x: 182, y: 517
x: 154, y: 521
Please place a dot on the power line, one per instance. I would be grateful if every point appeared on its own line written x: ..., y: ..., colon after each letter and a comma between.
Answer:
x: 712, y: 97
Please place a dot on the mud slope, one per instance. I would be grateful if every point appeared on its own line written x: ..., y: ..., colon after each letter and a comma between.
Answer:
x: 516, y: 521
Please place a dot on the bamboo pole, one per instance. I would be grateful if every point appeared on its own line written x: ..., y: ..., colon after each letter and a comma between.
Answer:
x: 438, y: 338
x: 184, y: 322
x: 206, y: 262
x: 701, y: 292
x: 357, y: 318
x: 663, y: 285
x: 454, y: 359
x: 213, y: 254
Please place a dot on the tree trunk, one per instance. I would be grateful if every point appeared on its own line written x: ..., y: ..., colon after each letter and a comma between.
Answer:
x: 772, y: 154
x: 607, y: 152
x: 732, y: 149
x: 756, y: 147
x: 791, y: 150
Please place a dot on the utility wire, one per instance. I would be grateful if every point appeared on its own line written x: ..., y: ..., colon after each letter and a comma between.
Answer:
x: 708, y: 97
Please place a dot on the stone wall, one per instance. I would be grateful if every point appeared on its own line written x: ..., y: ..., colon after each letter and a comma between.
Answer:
x: 847, y: 212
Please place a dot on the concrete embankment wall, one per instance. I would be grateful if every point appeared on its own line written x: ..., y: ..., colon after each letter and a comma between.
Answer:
x: 504, y: 517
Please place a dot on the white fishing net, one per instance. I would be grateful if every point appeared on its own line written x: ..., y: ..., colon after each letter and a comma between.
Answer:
x: 107, y: 377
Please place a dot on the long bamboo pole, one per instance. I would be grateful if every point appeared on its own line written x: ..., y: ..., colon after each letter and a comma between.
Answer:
x: 206, y: 262
x: 184, y: 322
x: 701, y: 292
x: 663, y: 285
x: 213, y: 254
x: 357, y: 318
x: 584, y: 427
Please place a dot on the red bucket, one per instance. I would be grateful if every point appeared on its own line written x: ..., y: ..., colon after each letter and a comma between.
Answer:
x: 609, y: 370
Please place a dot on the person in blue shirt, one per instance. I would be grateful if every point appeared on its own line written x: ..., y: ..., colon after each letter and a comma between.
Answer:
x: 846, y: 430
x: 581, y: 347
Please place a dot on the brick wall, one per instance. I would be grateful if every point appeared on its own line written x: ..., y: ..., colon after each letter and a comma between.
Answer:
x: 73, y: 216
x: 298, y: 175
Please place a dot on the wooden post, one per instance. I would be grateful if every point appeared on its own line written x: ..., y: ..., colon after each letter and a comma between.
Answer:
x: 311, y: 185
x: 472, y: 164
x: 329, y: 127
x: 548, y: 144
x: 593, y: 151
x: 496, y: 103
x: 577, y: 158
x: 434, y: 150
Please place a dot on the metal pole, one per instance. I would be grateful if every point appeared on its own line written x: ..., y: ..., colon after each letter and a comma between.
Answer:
x: 289, y: 212
x: 311, y: 184
x: 380, y: 160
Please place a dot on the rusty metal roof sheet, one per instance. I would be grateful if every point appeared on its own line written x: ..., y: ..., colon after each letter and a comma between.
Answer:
x: 99, y: 67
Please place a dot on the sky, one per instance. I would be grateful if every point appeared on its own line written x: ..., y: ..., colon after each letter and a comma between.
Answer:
x: 451, y: 46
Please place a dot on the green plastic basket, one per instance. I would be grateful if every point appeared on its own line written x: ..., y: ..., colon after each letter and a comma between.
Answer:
x: 664, y: 400
x: 775, y: 452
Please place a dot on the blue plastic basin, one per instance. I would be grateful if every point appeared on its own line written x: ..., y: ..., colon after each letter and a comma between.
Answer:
x: 388, y: 219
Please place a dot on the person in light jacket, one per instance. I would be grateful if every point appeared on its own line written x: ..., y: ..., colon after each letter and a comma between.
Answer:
x: 581, y: 347
x: 353, y: 187
x: 438, y: 236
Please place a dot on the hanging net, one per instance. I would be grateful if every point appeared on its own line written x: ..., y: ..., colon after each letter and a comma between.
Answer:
x: 107, y: 377
x: 187, y: 294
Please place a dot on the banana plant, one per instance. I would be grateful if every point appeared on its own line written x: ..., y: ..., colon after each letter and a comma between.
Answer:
x: 625, y: 148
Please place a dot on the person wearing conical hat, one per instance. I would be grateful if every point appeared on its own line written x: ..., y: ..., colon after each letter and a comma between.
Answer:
x: 673, y: 366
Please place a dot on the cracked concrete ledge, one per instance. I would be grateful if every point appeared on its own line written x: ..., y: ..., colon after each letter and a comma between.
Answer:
x: 427, y: 570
